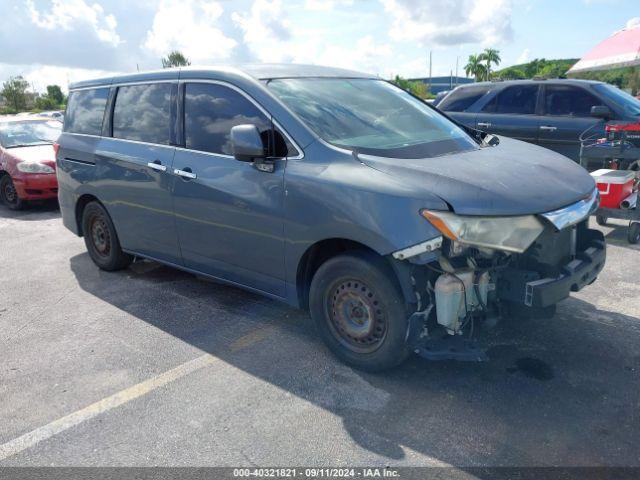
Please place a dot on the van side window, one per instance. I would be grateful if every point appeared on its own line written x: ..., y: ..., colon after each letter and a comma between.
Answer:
x: 569, y: 100
x: 143, y: 113
x: 210, y: 110
x: 518, y: 99
x: 85, y: 111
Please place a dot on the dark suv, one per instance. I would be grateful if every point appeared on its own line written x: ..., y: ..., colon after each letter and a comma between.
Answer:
x: 331, y: 190
x: 550, y: 113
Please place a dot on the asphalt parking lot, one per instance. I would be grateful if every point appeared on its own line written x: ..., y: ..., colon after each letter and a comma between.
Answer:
x: 151, y: 366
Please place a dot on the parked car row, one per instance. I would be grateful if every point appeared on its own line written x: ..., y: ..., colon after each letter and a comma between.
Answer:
x: 549, y: 113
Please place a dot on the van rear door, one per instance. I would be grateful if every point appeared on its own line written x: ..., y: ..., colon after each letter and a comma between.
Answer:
x: 135, y: 182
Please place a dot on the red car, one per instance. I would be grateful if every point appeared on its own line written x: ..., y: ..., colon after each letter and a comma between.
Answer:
x: 27, y: 160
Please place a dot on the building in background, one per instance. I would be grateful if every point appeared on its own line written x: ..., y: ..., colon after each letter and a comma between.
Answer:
x: 441, y: 84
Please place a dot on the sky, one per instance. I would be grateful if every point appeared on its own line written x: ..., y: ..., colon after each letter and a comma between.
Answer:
x: 61, y: 41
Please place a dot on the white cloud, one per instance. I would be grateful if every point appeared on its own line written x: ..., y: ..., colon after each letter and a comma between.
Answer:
x: 66, y: 15
x: 366, y: 55
x: 633, y: 22
x: 266, y: 30
x: 191, y: 27
x: 450, y: 22
x: 326, y: 5
x: 39, y: 76
x: 269, y: 35
x: 524, y: 56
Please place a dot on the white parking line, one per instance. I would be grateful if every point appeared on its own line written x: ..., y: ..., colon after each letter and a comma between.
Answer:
x: 60, y: 425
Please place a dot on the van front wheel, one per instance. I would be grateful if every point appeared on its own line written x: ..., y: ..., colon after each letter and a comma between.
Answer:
x: 359, y: 311
x: 101, y: 239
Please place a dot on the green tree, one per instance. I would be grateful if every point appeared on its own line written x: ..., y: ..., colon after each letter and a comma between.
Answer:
x: 510, y: 73
x: 489, y: 56
x: 14, y: 92
x: 633, y: 82
x: 45, y: 102
x: 475, y: 68
x: 417, y: 88
x: 403, y: 83
x: 54, y: 92
x: 175, y: 59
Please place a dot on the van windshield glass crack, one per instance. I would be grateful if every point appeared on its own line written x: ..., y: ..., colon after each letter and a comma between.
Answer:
x: 371, y: 116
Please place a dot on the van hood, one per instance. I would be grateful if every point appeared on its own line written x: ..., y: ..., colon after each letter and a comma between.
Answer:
x: 512, y: 178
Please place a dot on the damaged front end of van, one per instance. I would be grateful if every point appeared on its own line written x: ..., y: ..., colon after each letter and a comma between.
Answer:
x: 481, y: 269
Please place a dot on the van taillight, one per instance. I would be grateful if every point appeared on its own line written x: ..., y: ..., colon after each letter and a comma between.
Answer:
x: 56, y: 147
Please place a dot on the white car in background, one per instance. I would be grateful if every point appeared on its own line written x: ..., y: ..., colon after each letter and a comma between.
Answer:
x: 53, y: 114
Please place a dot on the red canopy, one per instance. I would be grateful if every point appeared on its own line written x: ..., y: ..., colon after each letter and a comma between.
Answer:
x: 622, y: 49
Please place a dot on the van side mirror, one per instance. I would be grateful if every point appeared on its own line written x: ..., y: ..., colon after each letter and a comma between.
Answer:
x: 246, y: 143
x: 601, y: 111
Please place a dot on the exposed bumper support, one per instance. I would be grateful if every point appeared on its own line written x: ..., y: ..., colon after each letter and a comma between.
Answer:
x: 526, y: 287
x: 424, y: 247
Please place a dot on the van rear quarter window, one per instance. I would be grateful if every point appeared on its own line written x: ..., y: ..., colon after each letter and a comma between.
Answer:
x: 85, y: 111
x: 143, y: 113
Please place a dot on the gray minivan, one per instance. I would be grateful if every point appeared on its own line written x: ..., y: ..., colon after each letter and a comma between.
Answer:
x: 331, y: 190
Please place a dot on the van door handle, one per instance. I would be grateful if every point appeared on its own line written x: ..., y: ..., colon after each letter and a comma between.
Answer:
x: 156, y: 165
x: 548, y: 128
x: 186, y: 173
x: 484, y: 124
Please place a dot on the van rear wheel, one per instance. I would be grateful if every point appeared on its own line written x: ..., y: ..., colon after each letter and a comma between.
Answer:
x: 101, y: 239
x: 359, y: 311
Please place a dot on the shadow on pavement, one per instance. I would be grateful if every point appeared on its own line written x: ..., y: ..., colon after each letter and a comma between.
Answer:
x: 33, y: 211
x: 555, y: 392
x: 618, y: 236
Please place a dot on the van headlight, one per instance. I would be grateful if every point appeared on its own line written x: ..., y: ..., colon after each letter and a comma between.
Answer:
x: 34, y: 167
x: 513, y: 234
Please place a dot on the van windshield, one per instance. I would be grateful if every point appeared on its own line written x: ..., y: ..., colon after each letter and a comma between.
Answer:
x: 371, y: 116
x: 630, y: 104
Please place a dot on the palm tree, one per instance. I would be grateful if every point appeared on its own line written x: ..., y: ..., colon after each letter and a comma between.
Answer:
x: 490, y: 55
x: 474, y: 67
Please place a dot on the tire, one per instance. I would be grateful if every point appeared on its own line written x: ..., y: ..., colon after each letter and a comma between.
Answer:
x: 601, y: 220
x: 360, y: 312
x: 633, y: 235
x: 9, y: 195
x: 101, y: 239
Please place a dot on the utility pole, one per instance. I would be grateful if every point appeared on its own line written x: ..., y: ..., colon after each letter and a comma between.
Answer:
x: 457, y: 57
x: 430, y: 63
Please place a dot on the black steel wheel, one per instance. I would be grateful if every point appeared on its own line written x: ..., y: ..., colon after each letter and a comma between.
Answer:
x: 601, y: 220
x: 633, y: 235
x: 359, y: 311
x: 9, y: 194
x: 101, y: 239
x: 357, y: 318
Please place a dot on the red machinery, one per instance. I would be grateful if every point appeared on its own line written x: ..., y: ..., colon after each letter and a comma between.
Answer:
x: 616, y: 159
